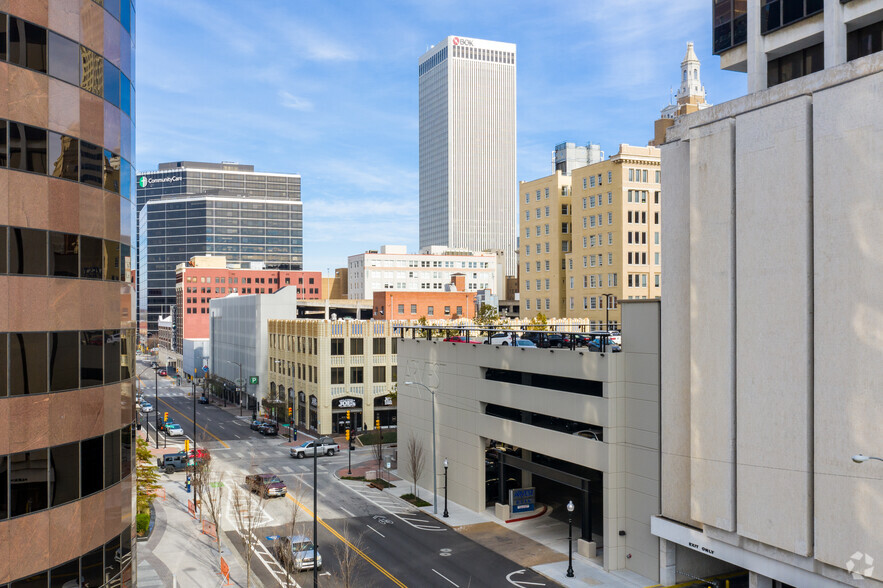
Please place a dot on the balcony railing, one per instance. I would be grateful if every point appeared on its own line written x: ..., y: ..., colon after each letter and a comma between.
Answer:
x: 573, y: 337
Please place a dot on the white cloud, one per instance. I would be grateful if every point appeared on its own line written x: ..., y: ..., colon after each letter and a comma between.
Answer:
x: 289, y: 100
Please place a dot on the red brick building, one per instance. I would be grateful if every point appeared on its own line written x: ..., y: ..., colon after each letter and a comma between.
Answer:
x: 204, y: 278
x: 390, y: 305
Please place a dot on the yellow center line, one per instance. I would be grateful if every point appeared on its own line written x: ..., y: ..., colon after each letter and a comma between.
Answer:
x: 209, y: 433
x: 348, y: 544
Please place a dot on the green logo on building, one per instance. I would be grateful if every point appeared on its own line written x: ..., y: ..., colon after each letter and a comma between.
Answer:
x: 142, y: 182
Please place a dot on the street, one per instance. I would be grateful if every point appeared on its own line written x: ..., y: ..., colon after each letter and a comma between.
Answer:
x: 373, y: 535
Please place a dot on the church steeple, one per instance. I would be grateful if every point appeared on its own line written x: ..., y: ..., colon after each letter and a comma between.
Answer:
x: 691, y: 90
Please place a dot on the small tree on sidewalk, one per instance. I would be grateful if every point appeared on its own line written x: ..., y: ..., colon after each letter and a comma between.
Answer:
x: 247, y: 507
x: 212, y: 500
x: 350, y: 562
x: 146, y: 481
x: 415, y: 461
x: 377, y: 449
x: 296, y: 490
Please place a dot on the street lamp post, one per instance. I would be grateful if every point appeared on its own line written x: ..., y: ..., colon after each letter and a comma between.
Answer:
x: 863, y: 458
x: 445, y: 514
x: 434, y: 471
x: 156, y: 394
x: 607, y: 305
x: 570, y: 539
x: 236, y: 363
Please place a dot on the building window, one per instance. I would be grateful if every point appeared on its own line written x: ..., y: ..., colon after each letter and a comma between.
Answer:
x: 547, y: 304
x: 337, y: 347
x: 413, y: 309
x: 795, y: 65
x: 357, y: 346
x: 775, y: 14
x: 430, y: 311
x: 401, y: 309
x: 864, y: 41
x: 379, y: 346
x: 337, y: 375
x: 379, y: 373
x: 527, y: 302
x: 585, y: 183
x: 357, y: 375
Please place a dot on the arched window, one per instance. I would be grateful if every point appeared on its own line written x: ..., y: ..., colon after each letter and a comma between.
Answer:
x: 685, y: 76
x: 695, y: 74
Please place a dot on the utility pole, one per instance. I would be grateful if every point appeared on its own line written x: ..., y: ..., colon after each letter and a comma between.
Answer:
x: 315, y: 513
x: 156, y: 391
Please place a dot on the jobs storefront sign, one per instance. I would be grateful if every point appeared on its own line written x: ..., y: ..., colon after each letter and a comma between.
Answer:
x: 522, y: 499
x: 348, y: 403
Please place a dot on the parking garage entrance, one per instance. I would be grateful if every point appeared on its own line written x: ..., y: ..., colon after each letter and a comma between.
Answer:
x: 556, y: 482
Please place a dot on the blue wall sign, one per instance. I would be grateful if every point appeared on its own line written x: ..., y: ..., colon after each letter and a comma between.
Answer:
x: 522, y: 499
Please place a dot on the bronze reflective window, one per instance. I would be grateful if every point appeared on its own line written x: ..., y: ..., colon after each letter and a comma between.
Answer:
x: 127, y: 440
x: 28, y: 482
x: 64, y: 59
x: 4, y: 147
x: 111, y: 83
x: 112, y: 345
x: 91, y: 164
x: 64, y: 255
x: 92, y: 467
x: 3, y: 344
x: 91, y: 258
x: 2, y: 250
x: 111, y: 458
x: 27, y: 364
x: 27, y: 148
x: 4, y: 487
x: 65, y: 575
x: 91, y: 71
x: 64, y: 473
x: 111, y: 260
x: 864, y: 41
x: 64, y: 156
x: 3, y: 37
x: 91, y: 358
x: 64, y: 361
x: 92, y: 568
x: 35, y: 581
x: 27, y: 44
x: 112, y: 561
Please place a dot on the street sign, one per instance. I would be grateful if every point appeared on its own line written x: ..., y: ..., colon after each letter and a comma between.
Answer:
x: 522, y: 499
x: 205, y: 369
x: 272, y: 537
x: 253, y: 380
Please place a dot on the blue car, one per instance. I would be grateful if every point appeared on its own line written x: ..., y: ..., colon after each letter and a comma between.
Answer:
x: 525, y: 343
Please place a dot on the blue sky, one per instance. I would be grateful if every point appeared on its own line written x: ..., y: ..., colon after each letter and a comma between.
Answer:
x: 329, y: 90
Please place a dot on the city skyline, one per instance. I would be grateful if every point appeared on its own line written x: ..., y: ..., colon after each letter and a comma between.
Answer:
x: 339, y: 105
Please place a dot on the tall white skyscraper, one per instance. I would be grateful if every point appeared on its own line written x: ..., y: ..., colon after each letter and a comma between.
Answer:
x: 468, y: 183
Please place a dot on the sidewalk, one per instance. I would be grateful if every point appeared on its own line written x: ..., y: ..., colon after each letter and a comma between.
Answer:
x: 538, y: 544
x: 177, y: 552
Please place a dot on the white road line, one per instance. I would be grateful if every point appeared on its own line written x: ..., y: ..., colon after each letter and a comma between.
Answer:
x: 376, y: 531
x: 437, y: 572
x: 237, y: 436
x: 346, y: 511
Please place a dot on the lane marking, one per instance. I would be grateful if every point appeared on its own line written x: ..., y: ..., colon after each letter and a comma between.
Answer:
x: 376, y: 531
x: 346, y: 542
x: 187, y: 418
x: 346, y: 511
x: 439, y: 573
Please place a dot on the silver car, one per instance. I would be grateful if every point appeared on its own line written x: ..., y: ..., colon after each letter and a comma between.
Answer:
x: 297, y: 553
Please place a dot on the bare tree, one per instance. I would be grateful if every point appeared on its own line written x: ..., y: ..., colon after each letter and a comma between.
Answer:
x: 247, y: 507
x: 209, y: 487
x: 377, y: 449
x: 291, y: 526
x: 350, y: 562
x: 415, y: 461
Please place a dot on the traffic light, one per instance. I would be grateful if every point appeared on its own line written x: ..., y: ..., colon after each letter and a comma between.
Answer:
x: 377, y: 423
x: 187, y: 445
x: 347, y: 434
x: 347, y: 416
x: 165, y: 416
x: 289, y: 413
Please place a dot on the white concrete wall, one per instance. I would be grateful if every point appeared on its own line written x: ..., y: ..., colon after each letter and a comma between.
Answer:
x: 848, y: 288
x: 712, y: 325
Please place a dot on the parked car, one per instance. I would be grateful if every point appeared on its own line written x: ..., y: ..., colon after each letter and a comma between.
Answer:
x: 269, y: 429
x: 525, y: 343
x: 146, y: 407
x: 297, y: 553
x: 172, y: 462
x: 558, y: 340
x: 174, y: 430
x: 595, y: 345
x: 459, y: 339
x: 203, y: 400
x: 324, y: 446
x: 163, y: 426
x: 503, y: 338
x: 268, y: 485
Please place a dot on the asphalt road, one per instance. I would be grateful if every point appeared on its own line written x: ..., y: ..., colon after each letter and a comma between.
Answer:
x: 376, y: 537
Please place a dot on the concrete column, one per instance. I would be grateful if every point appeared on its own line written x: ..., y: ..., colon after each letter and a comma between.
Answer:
x: 755, y: 580
x: 835, y: 34
x: 755, y: 54
x: 668, y: 563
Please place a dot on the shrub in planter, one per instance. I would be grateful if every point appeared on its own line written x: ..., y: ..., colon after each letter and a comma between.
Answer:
x: 142, y: 523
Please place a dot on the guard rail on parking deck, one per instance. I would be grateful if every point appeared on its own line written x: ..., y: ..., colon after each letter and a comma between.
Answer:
x: 558, y: 336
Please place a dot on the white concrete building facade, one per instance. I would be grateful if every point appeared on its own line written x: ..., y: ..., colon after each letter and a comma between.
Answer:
x: 393, y: 268
x: 772, y: 318
x: 468, y: 180
x: 586, y: 423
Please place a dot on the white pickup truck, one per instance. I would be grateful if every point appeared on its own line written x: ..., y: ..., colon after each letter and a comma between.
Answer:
x: 324, y: 446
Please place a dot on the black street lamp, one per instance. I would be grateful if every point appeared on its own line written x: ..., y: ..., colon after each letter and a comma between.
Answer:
x: 570, y: 539
x: 445, y: 514
x: 156, y: 390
